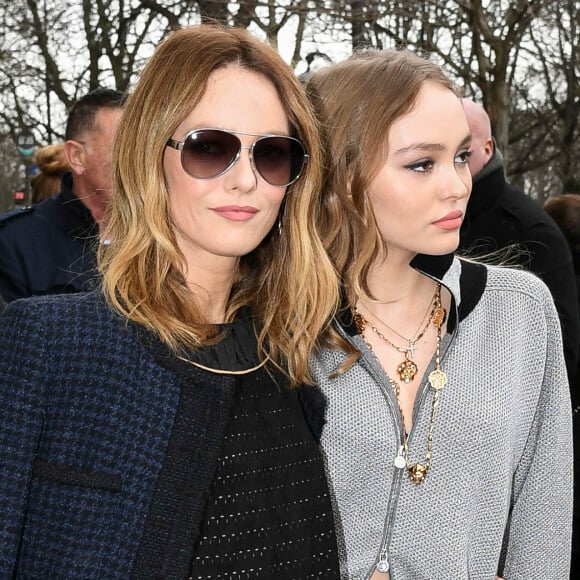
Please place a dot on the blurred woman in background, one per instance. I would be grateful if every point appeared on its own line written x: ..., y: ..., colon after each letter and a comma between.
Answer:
x: 52, y: 164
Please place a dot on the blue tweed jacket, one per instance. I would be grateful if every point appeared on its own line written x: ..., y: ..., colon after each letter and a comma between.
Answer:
x: 98, y: 475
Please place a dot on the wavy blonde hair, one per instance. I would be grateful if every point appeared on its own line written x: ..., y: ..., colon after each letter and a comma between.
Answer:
x: 288, y: 281
x: 357, y: 102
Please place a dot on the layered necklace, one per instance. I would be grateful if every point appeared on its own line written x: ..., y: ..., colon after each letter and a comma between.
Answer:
x: 407, y: 368
x: 437, y: 379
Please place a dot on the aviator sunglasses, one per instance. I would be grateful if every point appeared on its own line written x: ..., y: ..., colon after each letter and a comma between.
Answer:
x: 209, y: 153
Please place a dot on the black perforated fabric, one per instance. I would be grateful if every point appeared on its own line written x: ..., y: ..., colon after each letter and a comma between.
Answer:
x: 269, y: 515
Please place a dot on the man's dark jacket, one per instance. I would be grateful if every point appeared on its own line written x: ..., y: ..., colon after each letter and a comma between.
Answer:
x: 500, y: 215
x: 48, y: 248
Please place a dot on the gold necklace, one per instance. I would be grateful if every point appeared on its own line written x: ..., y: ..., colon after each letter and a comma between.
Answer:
x: 222, y: 371
x: 437, y: 379
x: 410, y: 342
x: 407, y: 368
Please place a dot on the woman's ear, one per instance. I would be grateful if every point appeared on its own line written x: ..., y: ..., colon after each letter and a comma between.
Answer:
x: 75, y: 154
x: 348, y: 186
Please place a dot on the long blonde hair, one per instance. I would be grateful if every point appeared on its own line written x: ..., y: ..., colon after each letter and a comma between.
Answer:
x: 357, y: 102
x: 288, y: 281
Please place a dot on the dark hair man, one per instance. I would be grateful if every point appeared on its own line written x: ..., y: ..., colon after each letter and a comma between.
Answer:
x: 50, y: 247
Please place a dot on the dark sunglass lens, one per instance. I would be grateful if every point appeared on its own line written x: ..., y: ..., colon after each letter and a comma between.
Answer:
x: 279, y: 159
x: 207, y: 154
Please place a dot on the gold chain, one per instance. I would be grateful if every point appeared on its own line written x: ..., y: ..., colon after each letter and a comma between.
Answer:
x: 390, y: 342
x: 222, y: 371
x: 407, y: 368
x: 437, y: 379
x: 418, y: 335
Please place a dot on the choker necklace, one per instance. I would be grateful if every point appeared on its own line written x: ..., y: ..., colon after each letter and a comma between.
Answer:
x: 222, y: 371
x: 437, y: 379
x: 407, y: 368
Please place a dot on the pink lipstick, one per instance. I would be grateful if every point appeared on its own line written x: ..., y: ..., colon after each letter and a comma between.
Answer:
x: 451, y: 221
x: 236, y: 213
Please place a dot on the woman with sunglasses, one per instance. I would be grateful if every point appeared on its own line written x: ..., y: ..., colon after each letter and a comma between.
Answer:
x: 448, y: 430
x: 162, y: 426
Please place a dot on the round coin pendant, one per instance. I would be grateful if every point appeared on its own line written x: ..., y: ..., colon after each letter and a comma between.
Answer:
x: 437, y: 379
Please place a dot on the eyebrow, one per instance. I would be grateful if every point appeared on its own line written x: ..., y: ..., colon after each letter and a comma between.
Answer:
x: 432, y: 146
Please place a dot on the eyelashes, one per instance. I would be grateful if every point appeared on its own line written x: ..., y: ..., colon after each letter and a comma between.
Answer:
x: 464, y: 156
x: 427, y: 164
x: 421, y: 166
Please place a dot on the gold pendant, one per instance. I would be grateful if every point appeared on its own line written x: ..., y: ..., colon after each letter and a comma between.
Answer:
x: 438, y: 316
x: 437, y: 379
x: 359, y: 322
x: 407, y: 370
x: 417, y: 473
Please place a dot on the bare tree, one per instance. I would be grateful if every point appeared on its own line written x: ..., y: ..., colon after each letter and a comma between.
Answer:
x: 477, y: 43
x: 559, y: 63
x: 500, y: 51
x: 53, y: 51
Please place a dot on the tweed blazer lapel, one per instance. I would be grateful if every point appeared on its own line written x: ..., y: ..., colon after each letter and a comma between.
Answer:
x: 188, y: 470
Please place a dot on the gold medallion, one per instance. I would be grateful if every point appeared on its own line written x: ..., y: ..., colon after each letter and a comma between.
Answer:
x: 417, y: 473
x: 437, y: 379
x: 438, y: 316
x: 407, y: 370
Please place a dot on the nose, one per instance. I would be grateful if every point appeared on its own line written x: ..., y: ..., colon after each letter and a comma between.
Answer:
x: 242, y: 175
x: 458, y: 181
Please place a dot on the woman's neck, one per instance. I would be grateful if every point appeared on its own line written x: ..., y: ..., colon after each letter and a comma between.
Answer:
x: 400, y: 296
x: 212, y: 286
x: 396, y: 281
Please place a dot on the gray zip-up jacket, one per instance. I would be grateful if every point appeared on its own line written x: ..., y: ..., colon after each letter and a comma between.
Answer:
x: 498, y: 496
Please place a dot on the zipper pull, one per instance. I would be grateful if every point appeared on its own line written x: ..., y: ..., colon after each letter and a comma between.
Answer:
x: 382, y: 565
x: 400, y: 459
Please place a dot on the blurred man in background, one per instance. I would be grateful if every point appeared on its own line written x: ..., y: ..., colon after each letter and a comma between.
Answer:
x: 50, y: 247
x: 501, y: 216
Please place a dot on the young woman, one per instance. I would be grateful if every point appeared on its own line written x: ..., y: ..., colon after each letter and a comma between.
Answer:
x: 154, y: 428
x: 448, y: 434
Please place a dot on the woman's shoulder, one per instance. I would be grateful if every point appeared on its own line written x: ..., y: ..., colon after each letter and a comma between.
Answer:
x: 79, y: 328
x: 83, y: 309
x: 510, y: 276
x: 517, y: 280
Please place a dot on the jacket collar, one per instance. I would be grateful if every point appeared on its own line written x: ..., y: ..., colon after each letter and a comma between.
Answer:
x: 465, y: 280
x: 73, y: 214
x: 494, y: 162
x: 74, y: 203
x: 488, y: 187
